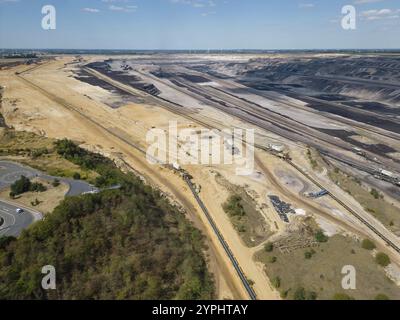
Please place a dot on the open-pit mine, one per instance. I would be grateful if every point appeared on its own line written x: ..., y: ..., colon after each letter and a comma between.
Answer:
x: 326, y: 176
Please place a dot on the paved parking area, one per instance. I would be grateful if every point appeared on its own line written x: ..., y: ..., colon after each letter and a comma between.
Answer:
x: 12, y: 171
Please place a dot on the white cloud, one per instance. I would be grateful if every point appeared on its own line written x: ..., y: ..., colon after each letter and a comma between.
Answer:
x: 91, y: 10
x: 206, y: 14
x: 120, y: 5
x: 8, y: 1
x: 380, y: 14
x: 200, y: 4
x: 196, y: 3
x: 366, y: 1
x: 306, y: 5
x: 129, y: 8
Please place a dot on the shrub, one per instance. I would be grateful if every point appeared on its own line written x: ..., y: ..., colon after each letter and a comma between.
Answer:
x: 272, y: 259
x: 234, y: 206
x: 269, y: 247
x: 309, y: 254
x: 108, y: 174
x: 39, y: 152
x: 382, y: 297
x: 299, y: 294
x: 35, y: 203
x: 368, y: 244
x: 320, y: 236
x: 37, y: 187
x: 342, y: 296
x: 72, y: 152
x: 311, y: 295
x: 21, y: 186
x: 382, y: 259
x: 276, y: 282
x: 55, y: 183
x: 302, y: 294
x: 76, y: 176
x: 375, y: 193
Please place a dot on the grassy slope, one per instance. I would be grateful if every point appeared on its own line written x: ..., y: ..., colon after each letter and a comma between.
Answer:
x: 27, y: 148
x: 322, y: 273
x: 251, y: 226
x: 381, y: 209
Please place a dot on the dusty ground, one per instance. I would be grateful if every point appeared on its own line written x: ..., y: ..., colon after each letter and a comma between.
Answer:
x: 48, y: 200
x: 49, y: 101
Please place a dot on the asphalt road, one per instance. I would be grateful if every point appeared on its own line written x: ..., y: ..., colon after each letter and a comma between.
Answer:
x: 15, y: 222
x: 11, y: 171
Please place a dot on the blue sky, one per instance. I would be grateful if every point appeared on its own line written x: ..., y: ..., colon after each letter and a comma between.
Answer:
x: 199, y: 24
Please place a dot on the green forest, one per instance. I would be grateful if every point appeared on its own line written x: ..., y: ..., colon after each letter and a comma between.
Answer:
x: 129, y: 243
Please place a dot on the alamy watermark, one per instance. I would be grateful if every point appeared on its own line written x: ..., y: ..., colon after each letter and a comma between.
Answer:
x: 50, y: 15
x: 192, y: 146
x: 49, y: 280
x: 349, y: 279
x: 349, y: 20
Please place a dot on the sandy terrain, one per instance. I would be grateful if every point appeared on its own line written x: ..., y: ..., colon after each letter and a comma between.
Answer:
x: 49, y: 101
x: 42, y: 112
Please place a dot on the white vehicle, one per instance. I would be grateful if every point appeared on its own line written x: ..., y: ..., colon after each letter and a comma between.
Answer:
x: 19, y: 210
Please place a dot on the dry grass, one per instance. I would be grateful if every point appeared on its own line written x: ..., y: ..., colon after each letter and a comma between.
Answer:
x: 384, y: 211
x: 322, y: 272
x: 13, y: 142
x: 252, y: 226
x: 314, y: 158
x: 28, y: 148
